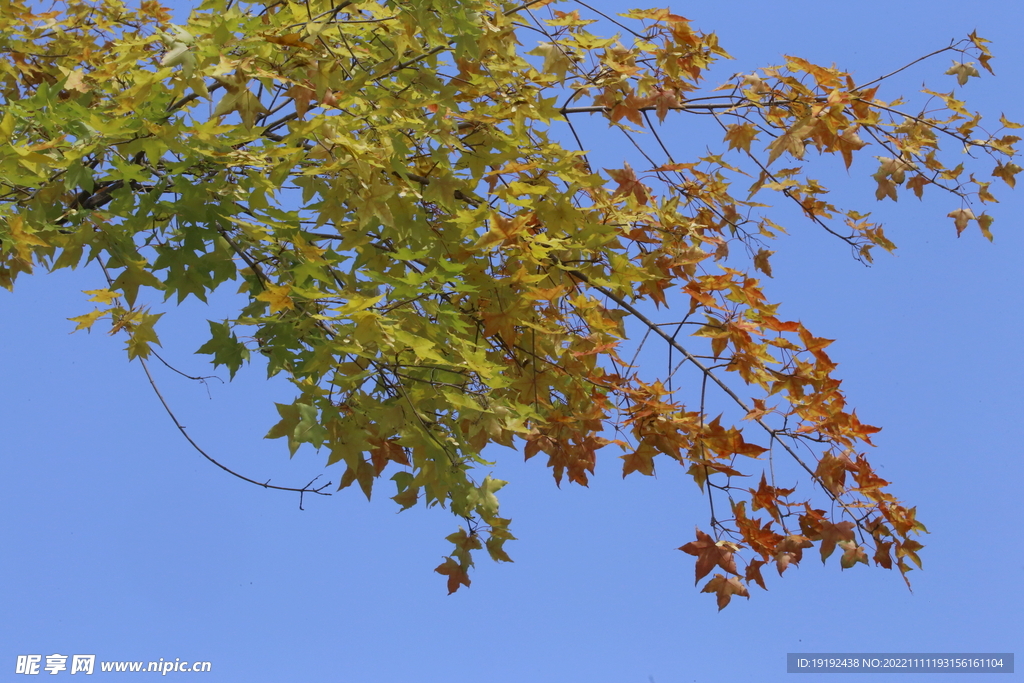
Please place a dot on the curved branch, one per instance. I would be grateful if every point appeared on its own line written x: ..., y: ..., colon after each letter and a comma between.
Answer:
x: 181, y: 428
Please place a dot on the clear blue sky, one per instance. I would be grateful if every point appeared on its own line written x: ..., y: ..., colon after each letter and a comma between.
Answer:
x: 120, y: 541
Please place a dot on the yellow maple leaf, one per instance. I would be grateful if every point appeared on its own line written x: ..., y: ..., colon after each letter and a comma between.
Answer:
x: 103, y: 296
x: 960, y: 218
x: 963, y: 72
x: 739, y: 136
x: 277, y: 297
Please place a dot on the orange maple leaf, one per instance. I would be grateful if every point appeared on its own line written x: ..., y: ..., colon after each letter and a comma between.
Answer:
x: 663, y: 100
x: 766, y: 497
x: 629, y: 108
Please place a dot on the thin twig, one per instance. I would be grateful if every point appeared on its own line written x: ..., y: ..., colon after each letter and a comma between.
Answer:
x: 267, y: 485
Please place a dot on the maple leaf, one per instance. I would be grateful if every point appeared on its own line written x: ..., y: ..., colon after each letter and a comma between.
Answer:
x: 740, y: 135
x: 908, y: 548
x: 766, y: 497
x: 791, y: 141
x: 890, y: 174
x: 641, y: 460
x: 104, y: 296
x: 725, y: 588
x: 225, y: 348
x: 790, y: 550
x: 917, y: 184
x: 831, y: 472
x: 960, y: 218
x: 758, y: 535
x: 456, y: 573
x: 1008, y: 123
x: 142, y: 335
x: 76, y: 81
x: 301, y: 95
x: 87, y: 320
x: 277, y: 297
x: 882, y: 554
x: 663, y: 100
x: 135, y: 275
x: 754, y: 84
x: 852, y: 554
x: 628, y: 184
x: 407, y: 498
x: 290, y: 40
x: 557, y: 61
x: 963, y: 71
x: 848, y: 143
x: 753, y: 573
x: 762, y: 263
x: 502, y: 231
x: 242, y: 100
x: 630, y: 108
x: 831, y: 534
x: 710, y: 554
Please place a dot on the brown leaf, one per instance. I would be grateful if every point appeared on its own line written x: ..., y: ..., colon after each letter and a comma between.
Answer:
x: 753, y: 573
x: 790, y: 551
x: 663, y: 100
x: 725, y: 588
x: 456, y: 573
x: 852, y: 554
x: 762, y: 263
x: 710, y: 554
x: 641, y: 460
x: 831, y: 534
x: 1007, y: 173
x: 628, y: 184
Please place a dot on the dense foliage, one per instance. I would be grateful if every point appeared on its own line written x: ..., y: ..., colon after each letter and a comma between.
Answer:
x: 436, y: 268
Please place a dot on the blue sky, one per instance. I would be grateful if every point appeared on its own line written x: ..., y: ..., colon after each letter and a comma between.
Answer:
x: 120, y: 541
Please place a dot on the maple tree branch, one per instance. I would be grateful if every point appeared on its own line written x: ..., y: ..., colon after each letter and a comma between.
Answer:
x: 267, y: 485
x: 603, y: 109
x: 786, y: 192
x: 333, y: 12
x: 951, y: 46
x: 201, y: 380
x: 703, y: 453
x: 670, y: 340
x: 253, y: 266
x: 611, y: 19
x: 917, y: 119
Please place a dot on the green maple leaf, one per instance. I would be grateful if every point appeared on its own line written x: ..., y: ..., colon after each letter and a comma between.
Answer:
x: 300, y: 424
x: 225, y: 348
